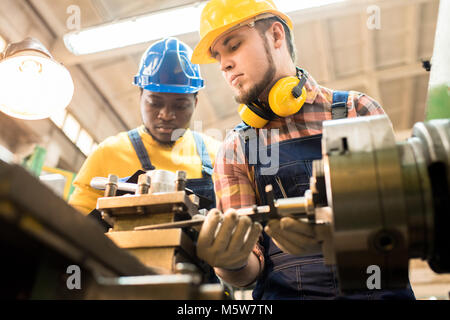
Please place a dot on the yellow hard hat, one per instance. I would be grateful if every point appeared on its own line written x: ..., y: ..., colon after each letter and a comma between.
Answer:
x: 218, y: 16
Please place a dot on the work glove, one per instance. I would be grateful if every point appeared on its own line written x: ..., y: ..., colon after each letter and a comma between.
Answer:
x: 227, y: 245
x: 294, y: 236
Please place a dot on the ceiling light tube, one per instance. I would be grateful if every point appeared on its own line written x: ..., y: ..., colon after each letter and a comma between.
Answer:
x: 154, y: 26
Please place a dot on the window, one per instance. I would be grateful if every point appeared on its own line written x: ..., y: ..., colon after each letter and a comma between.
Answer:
x: 2, y: 44
x: 94, y: 147
x: 71, y: 128
x: 84, y: 142
x: 58, y: 118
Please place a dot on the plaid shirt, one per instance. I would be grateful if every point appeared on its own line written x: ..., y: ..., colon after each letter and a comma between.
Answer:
x: 234, y: 179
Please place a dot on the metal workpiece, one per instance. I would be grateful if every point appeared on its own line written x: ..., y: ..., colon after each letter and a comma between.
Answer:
x: 301, y: 207
x: 162, y: 181
x: 111, y: 185
x: 99, y: 183
x: 144, y: 182
x: 180, y: 180
x: 296, y: 207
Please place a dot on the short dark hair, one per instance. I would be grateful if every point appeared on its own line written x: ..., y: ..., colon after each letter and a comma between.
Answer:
x: 263, y: 25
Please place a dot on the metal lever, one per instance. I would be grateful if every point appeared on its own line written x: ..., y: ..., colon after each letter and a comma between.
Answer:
x: 100, y: 183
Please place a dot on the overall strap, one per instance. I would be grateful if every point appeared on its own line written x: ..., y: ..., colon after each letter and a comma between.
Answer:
x: 139, y: 147
x: 339, y: 106
x: 203, y: 154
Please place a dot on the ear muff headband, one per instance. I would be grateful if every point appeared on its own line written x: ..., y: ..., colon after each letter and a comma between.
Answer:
x: 286, y: 98
x: 254, y: 116
x: 260, y: 112
x: 298, y: 89
x: 288, y: 95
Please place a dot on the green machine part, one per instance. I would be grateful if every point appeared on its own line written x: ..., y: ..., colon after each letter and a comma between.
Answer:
x: 34, y: 162
x: 438, y: 102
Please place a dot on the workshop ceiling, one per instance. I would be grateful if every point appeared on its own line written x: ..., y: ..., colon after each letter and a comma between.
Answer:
x: 334, y: 44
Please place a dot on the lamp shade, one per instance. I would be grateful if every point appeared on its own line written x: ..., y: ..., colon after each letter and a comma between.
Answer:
x: 32, y: 84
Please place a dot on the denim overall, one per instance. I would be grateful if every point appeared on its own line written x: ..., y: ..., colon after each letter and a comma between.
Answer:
x: 202, y: 186
x: 307, y: 277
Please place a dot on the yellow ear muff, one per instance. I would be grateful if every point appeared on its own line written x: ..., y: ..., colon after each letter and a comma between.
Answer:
x: 250, y: 117
x: 282, y: 101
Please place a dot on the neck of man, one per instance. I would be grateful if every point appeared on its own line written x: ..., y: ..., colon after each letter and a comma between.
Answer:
x: 287, y: 70
x: 162, y: 143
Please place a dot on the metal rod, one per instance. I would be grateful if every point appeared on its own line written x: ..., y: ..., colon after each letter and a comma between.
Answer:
x: 256, y: 214
x: 99, y: 183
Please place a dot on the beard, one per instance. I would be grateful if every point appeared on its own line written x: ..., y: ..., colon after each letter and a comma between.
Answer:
x: 254, y: 92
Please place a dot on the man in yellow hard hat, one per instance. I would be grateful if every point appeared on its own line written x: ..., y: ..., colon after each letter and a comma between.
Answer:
x: 282, y: 109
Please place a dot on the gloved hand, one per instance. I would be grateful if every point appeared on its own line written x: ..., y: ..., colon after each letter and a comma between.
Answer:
x: 227, y: 247
x: 294, y: 236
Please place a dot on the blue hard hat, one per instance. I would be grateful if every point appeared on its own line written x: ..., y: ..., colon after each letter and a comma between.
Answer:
x: 166, y: 67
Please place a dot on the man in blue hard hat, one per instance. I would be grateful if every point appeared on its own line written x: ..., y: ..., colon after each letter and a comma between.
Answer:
x: 169, y: 84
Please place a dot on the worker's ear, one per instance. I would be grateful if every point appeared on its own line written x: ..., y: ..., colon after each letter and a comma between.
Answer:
x: 278, y: 34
